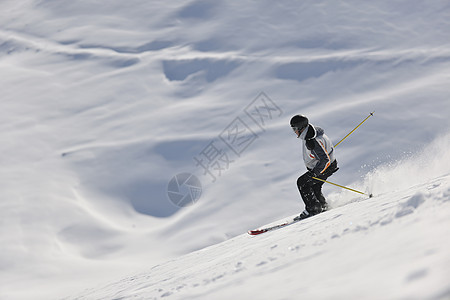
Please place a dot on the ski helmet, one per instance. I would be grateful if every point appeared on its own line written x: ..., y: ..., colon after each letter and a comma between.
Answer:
x: 299, y: 122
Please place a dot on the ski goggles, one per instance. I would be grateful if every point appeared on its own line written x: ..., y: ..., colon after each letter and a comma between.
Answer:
x: 297, y: 129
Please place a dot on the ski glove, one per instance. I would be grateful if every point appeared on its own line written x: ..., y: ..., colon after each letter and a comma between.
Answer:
x: 312, y: 173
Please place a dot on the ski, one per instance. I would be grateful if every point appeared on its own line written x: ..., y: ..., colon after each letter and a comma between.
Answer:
x: 270, y: 228
x: 266, y: 229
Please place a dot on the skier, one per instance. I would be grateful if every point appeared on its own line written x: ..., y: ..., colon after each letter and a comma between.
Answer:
x: 318, y: 155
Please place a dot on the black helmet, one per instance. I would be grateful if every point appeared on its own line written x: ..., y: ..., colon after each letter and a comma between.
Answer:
x: 299, y: 122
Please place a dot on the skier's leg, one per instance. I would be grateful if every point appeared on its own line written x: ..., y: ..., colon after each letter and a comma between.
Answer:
x: 317, y: 189
x: 305, y: 184
x: 308, y: 198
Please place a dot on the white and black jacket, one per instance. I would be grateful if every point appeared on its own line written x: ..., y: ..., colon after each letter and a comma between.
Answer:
x: 318, y: 151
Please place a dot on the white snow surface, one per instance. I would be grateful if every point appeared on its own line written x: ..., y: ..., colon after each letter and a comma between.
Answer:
x: 103, y: 102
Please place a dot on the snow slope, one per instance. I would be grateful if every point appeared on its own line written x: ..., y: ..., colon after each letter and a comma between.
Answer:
x: 104, y: 102
x: 388, y: 247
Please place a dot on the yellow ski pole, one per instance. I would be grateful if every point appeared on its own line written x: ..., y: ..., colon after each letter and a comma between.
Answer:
x: 341, y: 186
x: 371, y: 114
x: 344, y: 187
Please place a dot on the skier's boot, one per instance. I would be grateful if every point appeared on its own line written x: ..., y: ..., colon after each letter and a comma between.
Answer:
x: 305, y: 214
x: 309, y: 211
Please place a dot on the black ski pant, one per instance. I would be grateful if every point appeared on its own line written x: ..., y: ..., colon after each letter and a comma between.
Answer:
x: 311, y: 189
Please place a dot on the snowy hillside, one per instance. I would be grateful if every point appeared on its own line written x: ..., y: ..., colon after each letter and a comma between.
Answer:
x: 388, y: 247
x: 391, y: 246
x: 104, y: 102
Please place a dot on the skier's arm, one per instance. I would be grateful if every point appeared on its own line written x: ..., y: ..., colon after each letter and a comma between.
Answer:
x: 320, y: 152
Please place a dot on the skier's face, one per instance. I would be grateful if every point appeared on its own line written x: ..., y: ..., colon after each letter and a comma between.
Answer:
x: 297, y: 131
